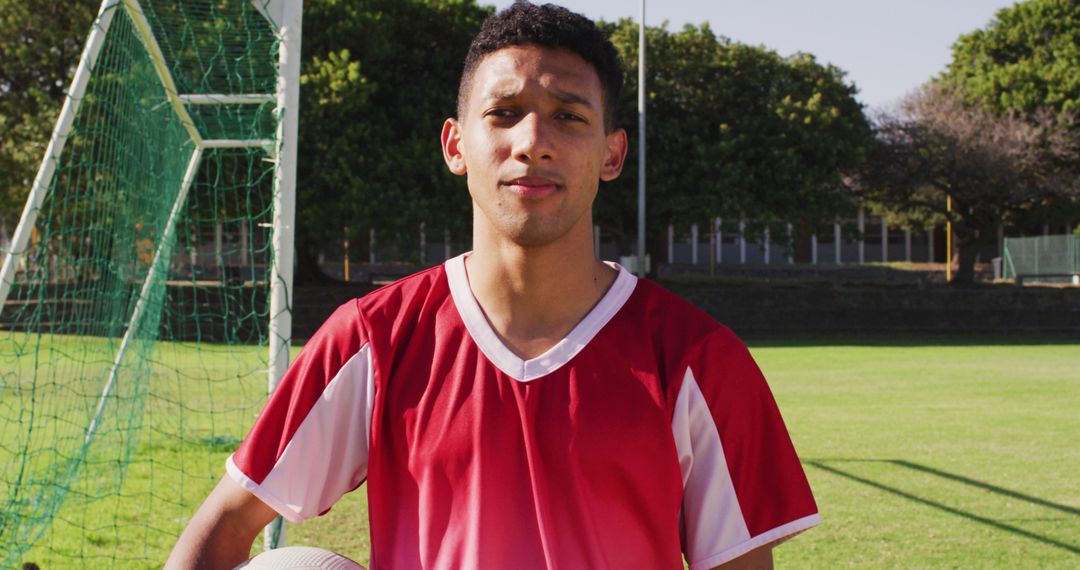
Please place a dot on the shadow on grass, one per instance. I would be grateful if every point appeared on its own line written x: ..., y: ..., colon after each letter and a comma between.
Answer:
x: 823, y: 464
x: 987, y: 486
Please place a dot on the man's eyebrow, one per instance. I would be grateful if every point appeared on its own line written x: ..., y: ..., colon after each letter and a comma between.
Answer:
x: 565, y: 97
x: 503, y: 95
x: 571, y: 98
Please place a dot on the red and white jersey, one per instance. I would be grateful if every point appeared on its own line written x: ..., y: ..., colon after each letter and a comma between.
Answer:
x: 646, y: 433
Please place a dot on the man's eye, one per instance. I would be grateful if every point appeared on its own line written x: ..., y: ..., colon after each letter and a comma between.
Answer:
x: 571, y: 117
x: 502, y: 113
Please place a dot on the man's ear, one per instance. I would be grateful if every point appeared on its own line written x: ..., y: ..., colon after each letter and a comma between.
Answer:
x: 615, y: 155
x: 452, y: 148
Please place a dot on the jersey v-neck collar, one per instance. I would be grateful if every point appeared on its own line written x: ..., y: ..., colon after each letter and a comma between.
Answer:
x: 555, y: 357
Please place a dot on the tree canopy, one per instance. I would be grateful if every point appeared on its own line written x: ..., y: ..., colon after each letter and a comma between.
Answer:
x: 378, y: 79
x: 734, y: 131
x: 1026, y: 59
x: 39, y: 49
x: 998, y: 169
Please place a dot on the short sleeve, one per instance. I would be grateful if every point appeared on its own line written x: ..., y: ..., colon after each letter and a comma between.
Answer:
x: 309, y: 445
x: 743, y: 484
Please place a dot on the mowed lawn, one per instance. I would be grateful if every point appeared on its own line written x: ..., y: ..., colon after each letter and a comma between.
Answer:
x: 921, y: 454
x: 935, y: 456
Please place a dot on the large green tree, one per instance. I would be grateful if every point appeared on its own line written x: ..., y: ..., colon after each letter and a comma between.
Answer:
x: 734, y: 131
x: 1026, y: 59
x: 39, y: 49
x: 997, y: 169
x: 994, y: 132
x: 379, y: 77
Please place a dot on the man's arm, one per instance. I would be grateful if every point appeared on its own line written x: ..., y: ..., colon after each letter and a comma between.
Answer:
x: 222, y: 531
x: 757, y: 559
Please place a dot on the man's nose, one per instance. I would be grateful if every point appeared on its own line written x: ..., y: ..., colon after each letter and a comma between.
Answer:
x: 532, y: 139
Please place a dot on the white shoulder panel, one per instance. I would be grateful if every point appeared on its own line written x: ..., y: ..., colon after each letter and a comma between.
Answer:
x: 328, y: 455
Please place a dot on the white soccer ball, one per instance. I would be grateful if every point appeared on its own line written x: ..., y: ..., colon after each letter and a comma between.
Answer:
x: 300, y: 558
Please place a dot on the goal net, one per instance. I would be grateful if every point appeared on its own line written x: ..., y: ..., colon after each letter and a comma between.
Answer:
x: 145, y: 295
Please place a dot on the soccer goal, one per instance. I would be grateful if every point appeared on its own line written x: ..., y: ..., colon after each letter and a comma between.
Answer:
x: 145, y: 300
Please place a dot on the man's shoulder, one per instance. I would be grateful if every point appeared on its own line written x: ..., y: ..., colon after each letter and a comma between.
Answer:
x: 661, y: 306
x: 675, y: 322
x: 422, y: 278
x: 403, y: 300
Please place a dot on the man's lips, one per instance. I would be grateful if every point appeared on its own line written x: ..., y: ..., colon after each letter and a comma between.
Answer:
x: 532, y: 187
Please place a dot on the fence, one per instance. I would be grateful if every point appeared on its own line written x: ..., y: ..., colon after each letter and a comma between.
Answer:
x: 1051, y: 258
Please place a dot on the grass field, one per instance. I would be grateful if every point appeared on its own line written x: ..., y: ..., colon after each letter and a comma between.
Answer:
x: 195, y: 409
x: 922, y: 455
x: 954, y: 456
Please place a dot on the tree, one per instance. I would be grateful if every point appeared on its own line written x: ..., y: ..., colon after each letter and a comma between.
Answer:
x: 379, y: 77
x: 1025, y: 60
x: 996, y: 168
x: 39, y: 49
x: 734, y: 131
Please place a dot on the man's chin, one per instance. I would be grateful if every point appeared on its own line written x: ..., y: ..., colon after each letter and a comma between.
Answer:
x: 533, y: 235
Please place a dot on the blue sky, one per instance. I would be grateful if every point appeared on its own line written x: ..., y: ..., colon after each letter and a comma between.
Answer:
x: 888, y: 48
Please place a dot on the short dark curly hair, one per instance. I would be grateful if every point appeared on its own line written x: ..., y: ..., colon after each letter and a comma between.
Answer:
x: 551, y: 26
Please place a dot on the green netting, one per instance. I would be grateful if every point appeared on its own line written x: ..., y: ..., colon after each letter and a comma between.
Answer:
x: 215, y: 47
x: 133, y: 343
x: 1042, y: 258
x: 234, y: 121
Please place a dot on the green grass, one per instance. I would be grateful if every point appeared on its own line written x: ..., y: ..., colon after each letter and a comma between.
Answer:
x: 197, y: 406
x: 954, y: 454
x: 947, y: 456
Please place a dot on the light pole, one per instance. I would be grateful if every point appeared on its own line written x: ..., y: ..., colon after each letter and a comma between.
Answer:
x: 641, y: 146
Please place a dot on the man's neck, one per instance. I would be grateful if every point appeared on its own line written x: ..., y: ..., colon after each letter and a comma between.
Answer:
x: 534, y: 296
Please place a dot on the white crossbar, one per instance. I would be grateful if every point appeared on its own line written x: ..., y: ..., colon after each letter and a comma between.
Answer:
x: 237, y: 143
x: 225, y: 99
x: 142, y: 28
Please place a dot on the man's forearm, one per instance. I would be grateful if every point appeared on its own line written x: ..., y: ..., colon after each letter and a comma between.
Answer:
x: 757, y: 559
x: 222, y: 531
x: 210, y: 544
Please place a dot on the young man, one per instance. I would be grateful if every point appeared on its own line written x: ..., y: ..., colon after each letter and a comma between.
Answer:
x: 524, y: 405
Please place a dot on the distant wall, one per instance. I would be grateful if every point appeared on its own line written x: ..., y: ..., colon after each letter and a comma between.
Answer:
x: 770, y: 310
x: 754, y: 308
x: 783, y: 309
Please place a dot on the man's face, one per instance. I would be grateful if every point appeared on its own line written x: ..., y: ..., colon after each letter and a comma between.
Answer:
x: 533, y: 144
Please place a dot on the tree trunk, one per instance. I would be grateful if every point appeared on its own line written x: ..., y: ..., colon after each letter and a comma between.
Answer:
x: 967, y: 252
x: 307, y: 268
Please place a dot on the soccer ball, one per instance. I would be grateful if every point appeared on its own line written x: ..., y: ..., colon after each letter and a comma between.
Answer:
x: 299, y: 558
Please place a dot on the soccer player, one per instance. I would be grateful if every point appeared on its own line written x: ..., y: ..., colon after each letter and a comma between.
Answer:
x: 524, y: 405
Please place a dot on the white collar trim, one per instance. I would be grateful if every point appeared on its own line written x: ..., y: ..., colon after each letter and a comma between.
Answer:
x: 502, y: 357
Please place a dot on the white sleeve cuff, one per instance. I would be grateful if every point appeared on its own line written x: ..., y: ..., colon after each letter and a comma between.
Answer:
x: 778, y: 534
